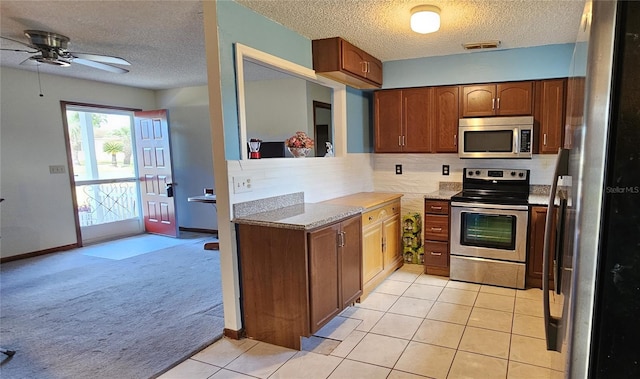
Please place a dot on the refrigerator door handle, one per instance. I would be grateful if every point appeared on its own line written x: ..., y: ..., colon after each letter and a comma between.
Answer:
x: 551, y: 324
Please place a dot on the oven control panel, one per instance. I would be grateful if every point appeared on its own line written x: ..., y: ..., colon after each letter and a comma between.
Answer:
x: 496, y: 174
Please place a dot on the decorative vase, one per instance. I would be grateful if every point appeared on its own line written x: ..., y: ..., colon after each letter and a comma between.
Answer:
x: 299, y: 152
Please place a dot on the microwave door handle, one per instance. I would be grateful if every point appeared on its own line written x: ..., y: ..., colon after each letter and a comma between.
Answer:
x: 551, y: 324
x: 516, y: 141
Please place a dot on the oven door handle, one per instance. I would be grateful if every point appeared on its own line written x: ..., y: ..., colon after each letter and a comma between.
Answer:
x: 490, y: 206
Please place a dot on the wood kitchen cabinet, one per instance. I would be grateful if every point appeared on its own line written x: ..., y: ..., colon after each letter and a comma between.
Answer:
x: 501, y: 99
x: 338, y: 59
x: 416, y: 120
x: 382, y: 253
x: 381, y: 235
x: 537, y: 223
x: 445, y: 126
x: 402, y: 120
x: 549, y: 115
x: 436, y: 237
x: 294, y: 281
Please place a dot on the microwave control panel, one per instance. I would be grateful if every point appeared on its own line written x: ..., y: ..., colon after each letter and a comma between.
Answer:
x: 525, y: 141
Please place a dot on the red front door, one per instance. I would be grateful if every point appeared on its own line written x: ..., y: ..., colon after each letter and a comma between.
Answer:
x: 154, y: 171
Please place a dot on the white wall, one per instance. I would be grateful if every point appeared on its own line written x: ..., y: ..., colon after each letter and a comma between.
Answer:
x: 276, y: 109
x: 191, y: 153
x: 38, y: 211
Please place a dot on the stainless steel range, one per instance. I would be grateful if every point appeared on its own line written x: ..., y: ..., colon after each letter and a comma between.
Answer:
x: 489, y: 222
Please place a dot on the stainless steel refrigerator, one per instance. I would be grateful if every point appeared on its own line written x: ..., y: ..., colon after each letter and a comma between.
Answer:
x: 597, y: 254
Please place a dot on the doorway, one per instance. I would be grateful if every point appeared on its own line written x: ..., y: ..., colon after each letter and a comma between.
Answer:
x: 104, y: 171
x: 322, y: 127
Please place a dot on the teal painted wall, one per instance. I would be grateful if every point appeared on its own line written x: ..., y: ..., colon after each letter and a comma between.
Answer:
x: 239, y: 24
x: 540, y: 62
x: 359, y: 121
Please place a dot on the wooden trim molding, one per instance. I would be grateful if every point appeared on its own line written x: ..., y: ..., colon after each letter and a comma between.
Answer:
x: 37, y: 253
x: 234, y: 334
x: 198, y: 230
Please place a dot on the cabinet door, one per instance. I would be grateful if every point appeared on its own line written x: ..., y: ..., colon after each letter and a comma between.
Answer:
x: 445, y: 125
x: 324, y: 295
x: 551, y: 114
x: 536, y: 241
x: 478, y: 101
x: 372, y: 262
x: 514, y: 99
x: 353, y: 59
x: 391, y: 235
x: 388, y: 121
x: 351, y: 261
x: 417, y: 109
x: 374, y: 69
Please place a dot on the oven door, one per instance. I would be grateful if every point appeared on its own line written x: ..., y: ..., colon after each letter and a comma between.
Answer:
x: 489, y: 231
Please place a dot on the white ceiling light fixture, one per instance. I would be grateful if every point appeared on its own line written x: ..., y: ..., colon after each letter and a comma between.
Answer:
x: 425, y: 19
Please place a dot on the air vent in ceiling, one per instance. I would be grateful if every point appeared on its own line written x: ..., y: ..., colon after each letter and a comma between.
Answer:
x: 481, y: 45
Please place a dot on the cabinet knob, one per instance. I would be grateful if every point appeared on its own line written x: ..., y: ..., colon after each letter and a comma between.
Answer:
x: 493, y: 104
x: 498, y: 103
x: 370, y: 218
x: 436, y: 254
x: 436, y: 208
x: 436, y: 229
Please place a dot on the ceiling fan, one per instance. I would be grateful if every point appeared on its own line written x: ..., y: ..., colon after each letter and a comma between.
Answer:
x: 51, y: 48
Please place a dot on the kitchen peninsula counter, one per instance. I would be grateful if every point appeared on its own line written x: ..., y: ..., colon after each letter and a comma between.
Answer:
x: 304, y: 216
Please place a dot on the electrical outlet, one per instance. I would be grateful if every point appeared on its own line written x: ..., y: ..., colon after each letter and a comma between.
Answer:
x: 445, y: 169
x: 59, y: 169
x: 241, y: 184
x: 398, y: 169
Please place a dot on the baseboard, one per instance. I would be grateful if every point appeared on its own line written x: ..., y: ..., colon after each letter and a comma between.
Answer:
x: 234, y: 334
x: 37, y: 253
x: 198, y: 230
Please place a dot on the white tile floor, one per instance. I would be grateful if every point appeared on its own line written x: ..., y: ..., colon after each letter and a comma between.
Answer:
x: 412, y: 326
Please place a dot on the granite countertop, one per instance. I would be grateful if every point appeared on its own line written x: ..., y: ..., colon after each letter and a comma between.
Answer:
x: 366, y: 200
x: 304, y: 216
x: 441, y: 194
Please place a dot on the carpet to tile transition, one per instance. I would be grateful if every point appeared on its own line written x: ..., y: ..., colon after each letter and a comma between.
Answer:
x: 130, y: 318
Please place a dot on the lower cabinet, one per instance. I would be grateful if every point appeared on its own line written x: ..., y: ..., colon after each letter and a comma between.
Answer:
x: 537, y: 223
x: 295, y: 281
x: 436, y: 237
x: 382, y: 253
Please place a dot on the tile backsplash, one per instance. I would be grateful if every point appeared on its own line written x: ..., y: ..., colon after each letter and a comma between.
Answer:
x: 422, y: 173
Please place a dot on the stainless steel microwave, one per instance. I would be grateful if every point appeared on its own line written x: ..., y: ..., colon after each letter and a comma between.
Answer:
x: 495, y: 137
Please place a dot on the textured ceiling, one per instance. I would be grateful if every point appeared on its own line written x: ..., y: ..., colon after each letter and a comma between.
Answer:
x: 164, y: 40
x: 381, y: 27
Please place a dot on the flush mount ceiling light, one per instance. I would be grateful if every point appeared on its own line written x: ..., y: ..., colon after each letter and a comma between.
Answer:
x: 425, y: 19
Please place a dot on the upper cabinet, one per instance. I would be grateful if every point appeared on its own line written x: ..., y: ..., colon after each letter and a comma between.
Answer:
x: 339, y: 60
x: 416, y: 120
x: 445, y: 126
x: 402, y: 120
x: 549, y: 115
x: 502, y: 99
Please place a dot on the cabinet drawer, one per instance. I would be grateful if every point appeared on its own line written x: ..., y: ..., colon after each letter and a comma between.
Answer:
x: 436, y: 207
x: 381, y: 213
x: 436, y: 227
x: 436, y: 254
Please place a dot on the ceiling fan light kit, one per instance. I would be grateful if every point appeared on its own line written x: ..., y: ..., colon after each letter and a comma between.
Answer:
x: 425, y: 19
x: 51, y: 48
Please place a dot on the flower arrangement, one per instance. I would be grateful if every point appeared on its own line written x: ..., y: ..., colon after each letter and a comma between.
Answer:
x: 299, y: 140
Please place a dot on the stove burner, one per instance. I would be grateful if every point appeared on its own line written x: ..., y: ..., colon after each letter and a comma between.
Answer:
x: 494, y: 186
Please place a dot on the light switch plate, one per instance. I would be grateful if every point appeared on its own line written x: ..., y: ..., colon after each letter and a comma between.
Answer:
x: 58, y: 169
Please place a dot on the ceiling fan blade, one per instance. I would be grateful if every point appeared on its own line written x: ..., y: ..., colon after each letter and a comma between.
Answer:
x: 101, y: 66
x: 100, y: 58
x: 20, y: 42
